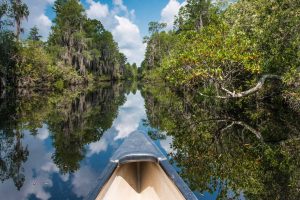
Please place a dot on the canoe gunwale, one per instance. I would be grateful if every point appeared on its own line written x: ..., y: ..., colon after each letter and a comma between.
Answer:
x: 102, y: 180
x: 177, y: 180
x: 147, y: 151
x: 130, y: 158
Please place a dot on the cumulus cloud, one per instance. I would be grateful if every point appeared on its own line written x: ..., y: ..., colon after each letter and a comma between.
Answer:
x: 118, y: 2
x: 128, y: 35
x: 169, y: 12
x: 37, y: 17
x: 97, y: 10
x: 119, y: 20
x: 119, y: 5
x: 121, y: 9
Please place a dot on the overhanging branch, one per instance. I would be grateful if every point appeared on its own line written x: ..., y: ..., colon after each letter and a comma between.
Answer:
x: 255, y: 89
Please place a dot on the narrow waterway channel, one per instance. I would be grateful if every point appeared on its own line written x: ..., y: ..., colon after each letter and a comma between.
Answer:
x: 55, y: 146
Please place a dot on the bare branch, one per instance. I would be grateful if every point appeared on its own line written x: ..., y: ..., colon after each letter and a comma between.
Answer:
x: 245, y: 125
x: 251, y: 129
x: 255, y: 89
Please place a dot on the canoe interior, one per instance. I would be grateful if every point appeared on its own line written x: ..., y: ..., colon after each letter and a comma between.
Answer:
x: 139, y: 181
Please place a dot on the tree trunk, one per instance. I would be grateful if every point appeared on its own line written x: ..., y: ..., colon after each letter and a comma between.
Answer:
x: 199, y: 23
x: 18, y: 29
x: 2, y: 83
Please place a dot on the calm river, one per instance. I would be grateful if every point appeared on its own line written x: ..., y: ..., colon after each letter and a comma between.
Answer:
x: 55, y: 145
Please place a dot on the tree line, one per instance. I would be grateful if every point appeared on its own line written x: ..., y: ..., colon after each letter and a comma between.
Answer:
x: 228, y: 49
x: 79, y: 50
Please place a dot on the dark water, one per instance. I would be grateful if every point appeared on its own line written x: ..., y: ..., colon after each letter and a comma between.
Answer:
x: 55, y: 145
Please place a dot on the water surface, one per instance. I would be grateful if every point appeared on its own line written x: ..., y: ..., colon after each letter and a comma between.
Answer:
x: 56, y: 145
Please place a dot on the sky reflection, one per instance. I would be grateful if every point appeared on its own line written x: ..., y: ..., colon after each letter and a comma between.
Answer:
x: 43, y: 178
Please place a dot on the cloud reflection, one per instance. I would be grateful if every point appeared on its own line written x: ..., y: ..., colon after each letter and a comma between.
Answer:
x: 130, y: 115
x: 166, y: 144
x: 43, y: 133
x: 36, y: 171
x: 83, y: 181
x: 41, y: 172
x: 97, y: 147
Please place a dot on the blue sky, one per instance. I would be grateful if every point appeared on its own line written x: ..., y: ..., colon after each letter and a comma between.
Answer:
x: 126, y: 19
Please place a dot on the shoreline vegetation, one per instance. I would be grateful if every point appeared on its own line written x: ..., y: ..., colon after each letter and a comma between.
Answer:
x: 228, y: 50
x: 79, y: 51
x: 219, y: 94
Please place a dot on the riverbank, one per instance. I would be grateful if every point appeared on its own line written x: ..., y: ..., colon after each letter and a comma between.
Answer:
x: 229, y: 51
x: 78, y: 50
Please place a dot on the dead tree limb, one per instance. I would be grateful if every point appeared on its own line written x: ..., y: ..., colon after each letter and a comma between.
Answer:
x: 253, y: 90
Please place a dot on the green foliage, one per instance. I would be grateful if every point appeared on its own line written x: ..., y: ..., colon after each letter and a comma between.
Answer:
x: 156, y: 27
x: 8, y: 48
x: 75, y: 118
x: 194, y: 15
x: 226, y: 49
x: 131, y: 71
x: 4, y: 9
x: 59, y: 85
x: 242, y: 147
x: 213, y: 54
x: 36, y: 69
x: 32, y: 64
x: 273, y: 26
x: 79, y: 49
x: 34, y: 34
x: 159, y: 45
x: 19, y: 11
x: 84, y: 43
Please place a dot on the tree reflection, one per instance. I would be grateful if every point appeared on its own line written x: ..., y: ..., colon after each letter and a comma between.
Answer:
x: 247, y: 147
x: 75, y: 118
x: 13, y: 153
x: 83, y: 121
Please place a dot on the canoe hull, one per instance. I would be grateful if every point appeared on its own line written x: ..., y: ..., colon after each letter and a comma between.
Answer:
x: 138, y: 170
x: 140, y: 180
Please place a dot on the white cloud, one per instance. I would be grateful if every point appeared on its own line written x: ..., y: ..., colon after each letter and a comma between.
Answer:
x: 97, y: 10
x: 37, y: 17
x: 118, y: 2
x: 119, y: 20
x: 169, y: 12
x: 119, y: 5
x: 128, y: 36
